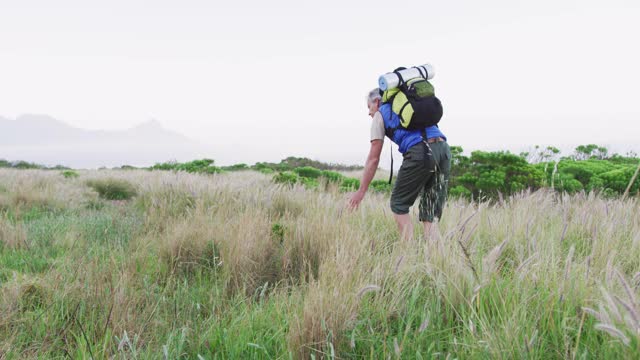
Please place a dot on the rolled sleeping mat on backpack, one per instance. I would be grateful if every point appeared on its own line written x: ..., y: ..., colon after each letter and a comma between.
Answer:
x: 391, y: 80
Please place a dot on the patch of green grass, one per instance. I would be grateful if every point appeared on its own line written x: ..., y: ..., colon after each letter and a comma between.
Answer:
x: 249, y: 331
x: 277, y: 232
x: 108, y: 228
x: 24, y: 261
x: 30, y: 213
x: 94, y: 204
x: 41, y: 252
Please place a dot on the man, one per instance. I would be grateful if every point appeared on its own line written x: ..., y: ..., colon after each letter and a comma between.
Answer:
x: 424, y: 170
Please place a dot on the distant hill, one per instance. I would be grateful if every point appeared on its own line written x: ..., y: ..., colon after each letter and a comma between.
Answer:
x: 45, y: 140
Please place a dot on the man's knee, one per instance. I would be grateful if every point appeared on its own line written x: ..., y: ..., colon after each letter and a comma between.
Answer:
x: 398, y: 208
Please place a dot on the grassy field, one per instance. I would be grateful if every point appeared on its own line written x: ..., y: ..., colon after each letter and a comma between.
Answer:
x: 232, y: 266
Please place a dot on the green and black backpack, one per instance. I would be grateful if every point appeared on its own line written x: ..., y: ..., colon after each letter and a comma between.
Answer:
x: 414, y: 101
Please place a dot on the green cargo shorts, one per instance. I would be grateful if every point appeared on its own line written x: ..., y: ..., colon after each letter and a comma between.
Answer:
x: 428, y: 178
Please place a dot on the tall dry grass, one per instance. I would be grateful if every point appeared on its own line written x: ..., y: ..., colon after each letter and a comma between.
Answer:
x: 192, y: 257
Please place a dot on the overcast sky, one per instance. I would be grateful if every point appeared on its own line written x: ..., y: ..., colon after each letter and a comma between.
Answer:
x: 261, y: 80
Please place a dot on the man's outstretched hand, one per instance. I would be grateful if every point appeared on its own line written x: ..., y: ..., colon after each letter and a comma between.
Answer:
x: 355, y: 199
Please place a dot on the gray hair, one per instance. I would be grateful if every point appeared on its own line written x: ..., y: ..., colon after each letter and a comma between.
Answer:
x: 374, y: 95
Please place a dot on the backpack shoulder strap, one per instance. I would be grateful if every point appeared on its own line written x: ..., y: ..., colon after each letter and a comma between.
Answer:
x: 388, y: 131
x: 391, y: 154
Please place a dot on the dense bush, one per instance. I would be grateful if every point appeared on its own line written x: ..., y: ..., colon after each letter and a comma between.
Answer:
x: 29, y: 165
x: 308, y: 172
x: 490, y: 173
x: 332, y: 176
x: 235, y: 167
x: 286, y: 177
x: 568, y: 184
x: 610, y: 176
x: 26, y: 165
x: 349, y: 184
x: 460, y: 192
x: 169, y: 165
x: 310, y: 183
x: 292, y: 163
x: 618, y: 180
x: 381, y: 186
x: 205, y: 166
x: 311, y: 178
x: 113, y: 189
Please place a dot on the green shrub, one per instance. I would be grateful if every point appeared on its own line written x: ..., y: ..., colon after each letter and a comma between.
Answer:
x: 291, y: 163
x: 596, y: 183
x: 211, y: 170
x: 275, y: 167
x: 460, y: 191
x: 26, y: 165
x: 332, y: 176
x: 491, y: 182
x: 493, y: 173
x: 618, y: 180
x: 382, y: 186
x: 199, y: 166
x: 308, y: 172
x: 70, y: 174
x: 196, y: 166
x: 349, y: 184
x: 267, y: 171
x: 286, y: 177
x: 113, y: 189
x: 609, y: 193
x: 295, y: 162
x: 310, y: 183
x: 592, y: 174
x: 236, y: 167
x: 259, y: 166
x: 566, y: 183
x: 170, y: 165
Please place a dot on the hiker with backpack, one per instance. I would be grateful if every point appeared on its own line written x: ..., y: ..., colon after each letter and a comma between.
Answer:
x: 408, y: 115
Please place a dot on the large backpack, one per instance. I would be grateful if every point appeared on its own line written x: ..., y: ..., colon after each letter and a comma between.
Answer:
x: 414, y: 101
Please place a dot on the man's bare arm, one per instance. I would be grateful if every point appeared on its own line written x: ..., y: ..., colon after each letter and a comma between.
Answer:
x: 373, y: 159
x: 371, y: 166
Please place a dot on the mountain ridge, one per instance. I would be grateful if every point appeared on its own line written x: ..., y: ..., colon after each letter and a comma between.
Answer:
x: 47, y: 140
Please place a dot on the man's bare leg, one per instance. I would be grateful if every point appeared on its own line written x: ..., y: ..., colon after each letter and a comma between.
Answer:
x: 405, y: 226
x: 427, y: 230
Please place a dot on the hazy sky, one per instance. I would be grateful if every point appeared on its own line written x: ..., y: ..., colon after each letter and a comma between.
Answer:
x: 261, y: 80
